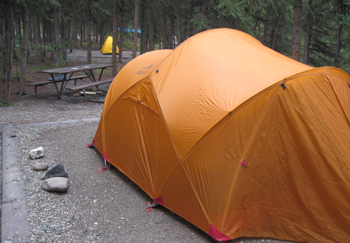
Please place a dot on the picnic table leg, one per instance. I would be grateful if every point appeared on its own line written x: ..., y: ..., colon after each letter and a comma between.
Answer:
x: 99, y: 78
x: 63, y: 84
x: 58, y: 91
x: 91, y: 75
x: 93, y: 79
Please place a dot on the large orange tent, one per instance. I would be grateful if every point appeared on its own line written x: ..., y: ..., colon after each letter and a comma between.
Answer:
x: 234, y: 137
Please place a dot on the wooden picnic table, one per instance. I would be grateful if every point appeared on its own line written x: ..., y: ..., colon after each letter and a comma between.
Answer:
x: 68, y: 72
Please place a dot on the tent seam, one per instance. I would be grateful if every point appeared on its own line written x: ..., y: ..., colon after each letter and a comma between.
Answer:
x: 167, y: 128
x: 180, y: 164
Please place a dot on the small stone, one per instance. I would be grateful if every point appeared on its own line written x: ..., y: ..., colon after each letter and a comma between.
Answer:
x: 40, y: 166
x: 36, y: 153
x: 55, y: 184
x: 57, y: 170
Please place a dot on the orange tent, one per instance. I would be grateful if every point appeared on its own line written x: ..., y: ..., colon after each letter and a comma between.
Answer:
x: 234, y: 137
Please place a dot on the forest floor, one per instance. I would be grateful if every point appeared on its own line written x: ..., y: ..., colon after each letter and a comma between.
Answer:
x: 105, y: 207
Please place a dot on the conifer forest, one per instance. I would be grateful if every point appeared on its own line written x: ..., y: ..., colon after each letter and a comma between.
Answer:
x: 314, y: 32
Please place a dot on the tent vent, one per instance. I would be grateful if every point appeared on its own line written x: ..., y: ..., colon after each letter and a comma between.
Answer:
x: 283, y: 86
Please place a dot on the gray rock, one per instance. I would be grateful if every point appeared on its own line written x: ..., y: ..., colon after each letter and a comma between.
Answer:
x: 55, y: 184
x: 57, y: 170
x: 40, y: 166
x: 36, y: 153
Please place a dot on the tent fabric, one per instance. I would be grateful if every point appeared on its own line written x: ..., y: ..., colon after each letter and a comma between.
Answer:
x: 108, y: 45
x: 234, y: 137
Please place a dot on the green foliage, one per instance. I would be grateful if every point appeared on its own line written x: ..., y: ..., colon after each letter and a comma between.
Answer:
x: 3, y: 104
x: 238, y: 10
x: 200, y: 21
x: 127, y: 46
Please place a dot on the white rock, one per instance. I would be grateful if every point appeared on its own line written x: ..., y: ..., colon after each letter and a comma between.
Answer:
x: 55, y: 184
x: 40, y: 166
x: 36, y: 153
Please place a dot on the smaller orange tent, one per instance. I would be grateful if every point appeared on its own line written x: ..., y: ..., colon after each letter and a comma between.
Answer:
x: 107, y: 46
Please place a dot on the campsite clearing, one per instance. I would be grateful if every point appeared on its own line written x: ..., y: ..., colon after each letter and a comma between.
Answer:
x: 97, y: 207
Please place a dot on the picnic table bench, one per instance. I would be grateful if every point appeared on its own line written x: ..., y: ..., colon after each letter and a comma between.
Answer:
x: 75, y: 78
x: 84, y: 86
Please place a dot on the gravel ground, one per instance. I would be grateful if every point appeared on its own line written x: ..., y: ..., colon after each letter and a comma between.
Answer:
x: 105, y: 207
x: 98, y: 207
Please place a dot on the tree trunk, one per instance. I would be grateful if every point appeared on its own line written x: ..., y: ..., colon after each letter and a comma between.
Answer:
x: 264, y: 40
x: 40, y: 40
x: 51, y: 38
x: 171, y: 30
x: 35, y: 33
x: 121, y: 36
x: 95, y: 33
x: 24, y: 50
x: 171, y: 33
x: 192, y: 13
x: 143, y: 28
x: 43, y: 50
x: 75, y: 39
x: 339, y: 30
x: 274, y: 34
x: 72, y: 40
x: 14, y: 55
x: 81, y: 34
x: 56, y: 36
x: 297, y: 30
x: 88, y: 40
x: 308, y: 34
x: 84, y: 32
x: 102, y: 38
x: 164, y: 29
x: 63, y: 39
x: 6, y: 42
x: 19, y: 31
x: 30, y: 37
x: 186, y: 29
x: 151, y: 34
x: 134, y: 49
x: 181, y: 29
x: 69, y: 35
x: 115, y: 38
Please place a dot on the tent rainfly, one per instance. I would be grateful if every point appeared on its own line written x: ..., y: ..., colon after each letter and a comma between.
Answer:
x: 234, y: 137
x: 107, y: 46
